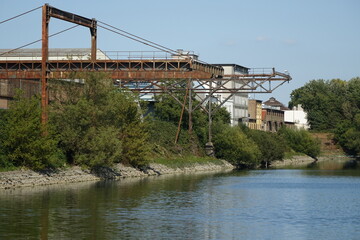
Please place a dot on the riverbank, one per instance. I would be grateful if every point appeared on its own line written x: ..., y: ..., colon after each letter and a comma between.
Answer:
x: 302, y: 161
x: 29, y: 178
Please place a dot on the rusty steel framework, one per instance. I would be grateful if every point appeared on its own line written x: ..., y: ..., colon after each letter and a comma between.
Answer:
x: 47, y: 13
x: 171, y: 75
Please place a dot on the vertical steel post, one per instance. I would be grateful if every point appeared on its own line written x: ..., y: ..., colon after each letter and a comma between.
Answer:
x: 44, y: 60
x: 190, y: 106
x: 210, y: 112
x: 209, y: 147
x: 93, y: 31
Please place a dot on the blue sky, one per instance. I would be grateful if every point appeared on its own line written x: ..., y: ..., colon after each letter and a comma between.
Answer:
x: 312, y: 39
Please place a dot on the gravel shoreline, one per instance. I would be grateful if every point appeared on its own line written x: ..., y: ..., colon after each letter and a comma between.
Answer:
x: 29, y: 178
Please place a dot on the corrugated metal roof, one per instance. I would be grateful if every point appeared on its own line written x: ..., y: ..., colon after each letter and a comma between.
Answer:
x: 54, y: 54
x: 36, y: 52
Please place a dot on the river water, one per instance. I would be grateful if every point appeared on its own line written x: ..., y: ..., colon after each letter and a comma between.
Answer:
x: 316, y: 203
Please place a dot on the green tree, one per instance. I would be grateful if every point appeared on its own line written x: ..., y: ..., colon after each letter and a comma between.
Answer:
x: 332, y: 106
x: 347, y: 134
x: 271, y: 145
x: 22, y: 137
x: 234, y: 146
x: 301, y: 141
x: 322, y: 100
x: 102, y: 126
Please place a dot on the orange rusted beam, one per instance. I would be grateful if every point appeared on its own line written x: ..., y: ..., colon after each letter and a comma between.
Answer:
x: 44, y: 53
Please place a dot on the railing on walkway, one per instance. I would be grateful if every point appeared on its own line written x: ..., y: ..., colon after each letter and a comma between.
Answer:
x: 84, y: 54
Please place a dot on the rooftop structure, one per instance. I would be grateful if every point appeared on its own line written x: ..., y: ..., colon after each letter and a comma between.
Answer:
x: 275, y: 104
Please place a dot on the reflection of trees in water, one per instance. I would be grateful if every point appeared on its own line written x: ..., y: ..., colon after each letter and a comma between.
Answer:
x: 334, y: 164
x: 65, y: 211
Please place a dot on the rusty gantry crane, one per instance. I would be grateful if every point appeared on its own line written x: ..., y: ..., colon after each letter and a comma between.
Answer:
x: 175, y: 73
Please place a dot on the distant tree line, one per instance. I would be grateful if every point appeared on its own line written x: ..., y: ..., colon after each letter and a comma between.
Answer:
x: 95, y: 124
x: 333, y: 105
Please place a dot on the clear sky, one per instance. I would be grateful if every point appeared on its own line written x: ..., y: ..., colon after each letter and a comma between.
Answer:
x: 311, y: 39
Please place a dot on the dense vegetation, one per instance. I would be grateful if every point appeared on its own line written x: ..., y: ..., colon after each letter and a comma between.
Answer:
x: 95, y: 124
x: 22, y: 142
x: 239, y: 145
x: 333, y: 105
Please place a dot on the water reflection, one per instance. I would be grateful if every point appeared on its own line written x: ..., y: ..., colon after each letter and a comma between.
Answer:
x: 263, y: 204
x: 335, y: 164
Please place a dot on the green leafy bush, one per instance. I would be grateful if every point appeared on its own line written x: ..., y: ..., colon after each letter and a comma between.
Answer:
x: 301, y: 141
x: 234, y: 146
x: 101, y: 126
x: 99, y: 147
x: 271, y: 145
x: 22, y: 138
x: 347, y: 134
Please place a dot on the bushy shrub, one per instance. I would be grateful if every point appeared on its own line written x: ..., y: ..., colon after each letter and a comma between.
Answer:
x: 301, y: 141
x: 101, y: 126
x: 271, y: 145
x: 234, y: 146
x: 22, y: 138
x: 135, y: 144
x: 347, y: 134
x: 99, y: 147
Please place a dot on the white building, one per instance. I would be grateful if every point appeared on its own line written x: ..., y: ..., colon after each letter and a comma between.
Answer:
x: 237, y: 105
x: 297, y: 116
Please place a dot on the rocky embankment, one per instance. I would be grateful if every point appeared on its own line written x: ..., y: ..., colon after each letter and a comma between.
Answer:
x: 294, y: 161
x: 27, y: 178
x: 302, y: 161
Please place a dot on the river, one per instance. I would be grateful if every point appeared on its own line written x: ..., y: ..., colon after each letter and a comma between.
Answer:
x: 310, y: 203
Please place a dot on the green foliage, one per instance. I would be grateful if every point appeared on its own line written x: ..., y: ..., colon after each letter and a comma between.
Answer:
x: 135, y: 144
x: 222, y: 116
x: 99, y: 147
x: 162, y: 135
x: 322, y: 100
x: 168, y: 109
x: 347, y: 135
x: 22, y: 138
x: 301, y: 141
x: 101, y: 126
x: 234, y: 146
x: 271, y: 145
x: 332, y: 106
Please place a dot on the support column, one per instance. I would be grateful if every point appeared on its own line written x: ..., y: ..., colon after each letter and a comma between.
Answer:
x: 190, y: 107
x: 93, y: 31
x: 44, y: 64
x: 209, y: 147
